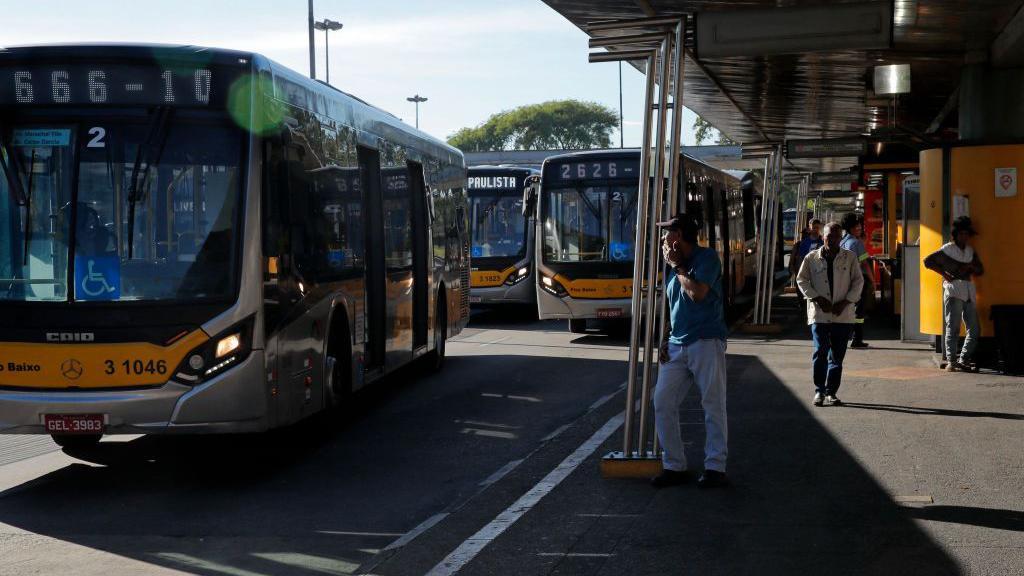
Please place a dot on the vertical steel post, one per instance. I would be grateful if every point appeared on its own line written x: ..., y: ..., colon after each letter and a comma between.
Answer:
x: 775, y: 241
x: 675, y: 170
x: 638, y: 257
x: 312, y: 44
x: 653, y: 252
x: 761, y: 242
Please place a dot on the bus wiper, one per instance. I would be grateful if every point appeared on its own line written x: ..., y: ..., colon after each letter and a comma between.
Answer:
x: 149, y: 152
x: 13, y: 180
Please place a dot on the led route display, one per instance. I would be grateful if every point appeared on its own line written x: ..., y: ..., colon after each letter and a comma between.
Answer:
x: 116, y: 84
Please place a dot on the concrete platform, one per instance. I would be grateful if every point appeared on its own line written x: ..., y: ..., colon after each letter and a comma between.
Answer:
x: 920, y: 472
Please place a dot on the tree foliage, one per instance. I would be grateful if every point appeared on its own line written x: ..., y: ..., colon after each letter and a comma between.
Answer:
x: 554, y: 125
x: 703, y: 130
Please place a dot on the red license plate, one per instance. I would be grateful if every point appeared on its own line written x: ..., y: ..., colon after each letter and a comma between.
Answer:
x: 74, y: 423
x: 609, y: 312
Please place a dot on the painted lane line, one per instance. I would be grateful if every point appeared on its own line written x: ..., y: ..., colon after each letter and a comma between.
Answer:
x: 487, y: 424
x: 524, y: 398
x: 489, y: 433
x: 501, y: 473
x: 498, y: 341
x: 477, y: 542
x: 360, y: 534
x: 412, y: 534
x: 557, y: 431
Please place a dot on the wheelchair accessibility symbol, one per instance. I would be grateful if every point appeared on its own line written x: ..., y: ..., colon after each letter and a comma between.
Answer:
x: 97, y: 278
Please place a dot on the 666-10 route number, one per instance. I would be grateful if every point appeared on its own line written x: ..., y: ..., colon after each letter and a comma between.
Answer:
x: 135, y: 367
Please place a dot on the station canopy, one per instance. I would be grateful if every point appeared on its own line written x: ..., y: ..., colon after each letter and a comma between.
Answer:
x: 829, y: 93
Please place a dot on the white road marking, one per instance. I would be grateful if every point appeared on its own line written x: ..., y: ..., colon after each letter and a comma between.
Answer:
x: 575, y: 554
x: 477, y: 542
x: 489, y: 433
x: 498, y: 341
x: 371, y: 534
x: 501, y: 473
x: 412, y: 534
x: 524, y: 398
x: 487, y: 424
x: 557, y: 431
x: 332, y: 566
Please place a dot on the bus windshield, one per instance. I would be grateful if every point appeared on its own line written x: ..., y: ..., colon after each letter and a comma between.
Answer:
x: 499, y: 228
x: 130, y: 211
x: 590, y: 224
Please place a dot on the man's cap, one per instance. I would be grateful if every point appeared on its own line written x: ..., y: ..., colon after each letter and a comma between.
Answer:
x: 680, y: 221
x: 963, y: 223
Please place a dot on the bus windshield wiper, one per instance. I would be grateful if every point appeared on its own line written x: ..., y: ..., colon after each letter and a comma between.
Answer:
x: 149, y: 152
x: 20, y: 195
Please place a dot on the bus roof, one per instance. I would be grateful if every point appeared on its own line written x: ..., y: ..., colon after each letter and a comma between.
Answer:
x: 316, y: 96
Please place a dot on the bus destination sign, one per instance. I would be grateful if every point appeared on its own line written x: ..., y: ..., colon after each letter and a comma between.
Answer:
x: 619, y: 168
x: 114, y: 84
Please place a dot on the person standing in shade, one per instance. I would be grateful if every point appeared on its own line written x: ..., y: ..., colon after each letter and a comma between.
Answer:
x: 693, y: 351
x: 831, y: 281
x: 854, y: 227
x: 957, y: 261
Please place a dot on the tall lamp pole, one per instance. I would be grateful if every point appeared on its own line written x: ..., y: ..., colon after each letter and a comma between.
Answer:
x: 417, y: 99
x: 622, y: 126
x: 312, y: 44
x: 327, y: 25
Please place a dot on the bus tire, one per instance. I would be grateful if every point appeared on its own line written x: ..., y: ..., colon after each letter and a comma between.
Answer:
x: 578, y: 326
x: 76, y: 440
x: 435, y: 359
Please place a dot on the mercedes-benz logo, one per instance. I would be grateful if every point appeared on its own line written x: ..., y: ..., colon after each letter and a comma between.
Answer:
x: 71, y: 369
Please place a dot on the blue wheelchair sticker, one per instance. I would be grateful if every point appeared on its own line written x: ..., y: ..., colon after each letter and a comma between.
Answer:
x: 335, y: 258
x: 621, y: 251
x: 97, y: 278
x: 476, y: 252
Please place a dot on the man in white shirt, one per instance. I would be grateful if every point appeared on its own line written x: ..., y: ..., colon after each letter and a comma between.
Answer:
x: 957, y: 262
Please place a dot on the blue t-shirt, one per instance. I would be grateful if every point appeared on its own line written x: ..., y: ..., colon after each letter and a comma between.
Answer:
x: 854, y: 245
x: 692, y: 321
x: 808, y: 243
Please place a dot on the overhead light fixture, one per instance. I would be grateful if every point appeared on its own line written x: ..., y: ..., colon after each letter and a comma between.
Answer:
x: 892, y: 79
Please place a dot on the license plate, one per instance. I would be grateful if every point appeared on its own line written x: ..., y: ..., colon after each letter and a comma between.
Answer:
x: 609, y: 312
x: 74, y: 423
x: 475, y: 299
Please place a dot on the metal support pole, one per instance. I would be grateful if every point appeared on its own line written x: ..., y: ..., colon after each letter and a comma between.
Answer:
x: 638, y: 257
x: 653, y: 252
x: 312, y: 44
x: 675, y: 170
x: 761, y: 242
x: 775, y: 241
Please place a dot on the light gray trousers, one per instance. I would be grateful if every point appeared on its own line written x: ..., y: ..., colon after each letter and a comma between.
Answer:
x: 704, y: 362
x: 957, y: 309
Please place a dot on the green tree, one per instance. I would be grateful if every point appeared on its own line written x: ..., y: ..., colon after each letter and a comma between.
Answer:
x: 554, y: 125
x: 703, y: 130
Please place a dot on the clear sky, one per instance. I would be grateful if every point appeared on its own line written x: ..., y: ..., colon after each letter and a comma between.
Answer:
x: 469, y: 58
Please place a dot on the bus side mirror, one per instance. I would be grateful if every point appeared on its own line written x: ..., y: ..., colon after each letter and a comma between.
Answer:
x: 530, y: 198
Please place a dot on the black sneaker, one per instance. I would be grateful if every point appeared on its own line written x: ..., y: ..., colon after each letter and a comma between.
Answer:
x: 859, y: 344
x: 670, y: 478
x: 712, y: 479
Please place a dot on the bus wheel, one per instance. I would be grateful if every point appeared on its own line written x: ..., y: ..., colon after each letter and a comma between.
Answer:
x: 76, y: 440
x: 435, y: 359
x: 578, y: 326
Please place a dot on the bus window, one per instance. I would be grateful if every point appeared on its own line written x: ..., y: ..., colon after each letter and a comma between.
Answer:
x: 397, y: 218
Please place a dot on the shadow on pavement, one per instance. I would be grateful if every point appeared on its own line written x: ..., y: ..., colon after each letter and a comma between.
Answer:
x: 933, y: 411
x: 323, y: 496
x: 987, y: 517
x: 800, y: 504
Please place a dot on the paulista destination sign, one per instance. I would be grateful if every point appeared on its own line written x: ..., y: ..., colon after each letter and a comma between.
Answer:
x: 827, y: 148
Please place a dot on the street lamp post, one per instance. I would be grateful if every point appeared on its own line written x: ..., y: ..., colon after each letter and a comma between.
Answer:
x: 312, y: 44
x: 417, y: 99
x: 327, y: 25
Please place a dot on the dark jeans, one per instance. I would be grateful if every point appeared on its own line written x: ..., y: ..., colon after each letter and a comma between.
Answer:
x: 829, y: 351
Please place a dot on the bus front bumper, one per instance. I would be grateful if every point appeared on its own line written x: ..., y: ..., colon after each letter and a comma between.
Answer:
x: 521, y: 293
x: 233, y: 402
x: 551, y: 307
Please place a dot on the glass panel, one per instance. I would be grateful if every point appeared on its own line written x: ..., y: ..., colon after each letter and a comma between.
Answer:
x: 397, y: 218
x: 170, y: 236
x: 622, y: 223
x: 35, y: 213
x: 499, y: 228
x: 576, y: 225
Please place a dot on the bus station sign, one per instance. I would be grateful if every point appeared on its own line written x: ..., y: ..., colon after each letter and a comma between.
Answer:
x: 828, y: 148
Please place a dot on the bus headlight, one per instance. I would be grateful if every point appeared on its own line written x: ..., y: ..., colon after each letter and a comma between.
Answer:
x: 217, y: 354
x: 553, y: 286
x: 518, y: 276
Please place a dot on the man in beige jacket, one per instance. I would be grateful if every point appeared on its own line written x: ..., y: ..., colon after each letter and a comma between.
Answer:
x: 831, y: 281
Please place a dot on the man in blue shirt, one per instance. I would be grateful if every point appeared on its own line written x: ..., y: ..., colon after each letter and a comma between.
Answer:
x: 694, y: 350
x: 854, y: 226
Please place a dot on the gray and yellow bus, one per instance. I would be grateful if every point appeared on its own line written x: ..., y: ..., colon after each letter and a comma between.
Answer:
x: 200, y: 240
x: 501, y: 235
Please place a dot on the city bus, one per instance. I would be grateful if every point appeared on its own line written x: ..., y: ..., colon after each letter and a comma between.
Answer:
x: 501, y: 252
x: 203, y: 241
x: 586, y: 229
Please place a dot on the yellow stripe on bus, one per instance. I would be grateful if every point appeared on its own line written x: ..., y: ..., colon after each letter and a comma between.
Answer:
x: 489, y: 278
x: 117, y: 365
x: 597, y: 288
